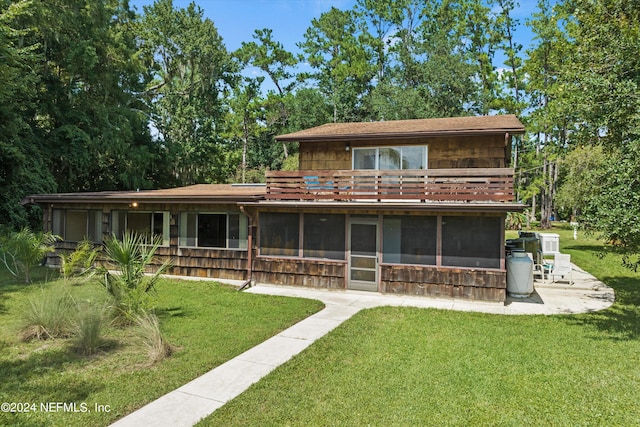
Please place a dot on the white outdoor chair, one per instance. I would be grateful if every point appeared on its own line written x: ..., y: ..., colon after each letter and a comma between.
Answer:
x: 538, y: 269
x: 561, y: 268
x: 539, y: 266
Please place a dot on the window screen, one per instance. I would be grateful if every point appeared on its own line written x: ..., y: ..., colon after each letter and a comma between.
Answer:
x: 279, y: 234
x: 410, y: 240
x: 471, y: 241
x: 324, y: 236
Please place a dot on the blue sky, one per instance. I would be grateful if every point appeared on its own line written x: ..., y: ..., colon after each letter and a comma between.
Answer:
x: 236, y: 20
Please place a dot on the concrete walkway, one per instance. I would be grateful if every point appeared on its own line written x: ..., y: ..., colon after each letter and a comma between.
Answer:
x: 199, y: 398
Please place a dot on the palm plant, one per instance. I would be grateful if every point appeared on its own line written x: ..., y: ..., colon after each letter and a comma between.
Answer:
x: 79, y: 262
x: 19, y: 251
x: 125, y: 274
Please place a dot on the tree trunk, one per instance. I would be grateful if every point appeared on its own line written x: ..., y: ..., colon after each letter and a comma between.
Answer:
x: 532, y: 214
x: 554, y: 189
x: 245, y: 143
x: 544, y: 197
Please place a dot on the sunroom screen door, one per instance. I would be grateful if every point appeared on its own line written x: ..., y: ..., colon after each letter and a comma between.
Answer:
x: 363, y: 255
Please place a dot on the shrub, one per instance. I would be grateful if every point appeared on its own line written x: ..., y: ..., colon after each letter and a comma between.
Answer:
x: 49, y: 314
x: 151, y: 337
x: 130, y: 258
x: 79, y: 262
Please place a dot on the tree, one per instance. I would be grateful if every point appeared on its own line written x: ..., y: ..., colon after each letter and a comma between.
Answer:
x: 448, y: 74
x: 190, y: 72
x: 506, y: 28
x: 479, y: 29
x: 333, y: 47
x: 23, y: 161
x: 597, y: 90
x: 380, y: 20
x: 585, y: 170
x: 275, y: 61
x: 546, y: 122
x: 89, y: 116
x: 601, y: 73
x: 246, y: 113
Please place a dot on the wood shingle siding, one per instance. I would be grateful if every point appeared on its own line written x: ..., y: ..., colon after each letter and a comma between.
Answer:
x: 300, y: 272
x: 484, y: 151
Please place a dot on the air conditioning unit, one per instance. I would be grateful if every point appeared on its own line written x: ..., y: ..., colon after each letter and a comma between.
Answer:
x: 550, y: 243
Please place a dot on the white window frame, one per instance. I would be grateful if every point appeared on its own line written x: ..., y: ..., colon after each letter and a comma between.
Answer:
x: 65, y: 226
x: 243, y: 237
x: 377, y: 159
x: 166, y: 221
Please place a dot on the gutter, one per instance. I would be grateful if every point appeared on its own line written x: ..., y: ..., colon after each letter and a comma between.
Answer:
x: 252, y: 225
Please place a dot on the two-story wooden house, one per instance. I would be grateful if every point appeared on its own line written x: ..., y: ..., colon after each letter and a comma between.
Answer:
x: 415, y: 207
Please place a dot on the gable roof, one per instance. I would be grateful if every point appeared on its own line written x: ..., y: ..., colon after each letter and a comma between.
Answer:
x: 409, y: 128
x: 200, y: 192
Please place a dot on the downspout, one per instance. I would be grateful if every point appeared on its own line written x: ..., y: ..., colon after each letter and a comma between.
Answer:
x: 247, y: 283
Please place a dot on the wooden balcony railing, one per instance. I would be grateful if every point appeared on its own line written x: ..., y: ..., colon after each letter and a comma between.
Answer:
x: 455, y: 185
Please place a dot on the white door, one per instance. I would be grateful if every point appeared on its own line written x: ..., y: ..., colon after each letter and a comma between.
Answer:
x: 363, y: 255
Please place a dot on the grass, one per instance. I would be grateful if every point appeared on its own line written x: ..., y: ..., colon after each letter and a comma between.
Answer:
x: 206, y: 324
x: 405, y: 366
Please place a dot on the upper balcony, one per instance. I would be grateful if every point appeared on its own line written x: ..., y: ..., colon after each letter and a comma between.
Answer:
x: 432, y: 185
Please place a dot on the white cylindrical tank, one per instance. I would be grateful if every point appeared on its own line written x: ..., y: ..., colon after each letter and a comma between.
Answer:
x: 519, y: 275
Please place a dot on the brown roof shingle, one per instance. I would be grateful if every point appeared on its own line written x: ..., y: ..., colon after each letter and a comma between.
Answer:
x: 409, y: 128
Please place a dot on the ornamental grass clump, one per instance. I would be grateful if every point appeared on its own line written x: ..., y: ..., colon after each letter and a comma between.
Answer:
x: 151, y: 337
x: 124, y: 276
x: 48, y: 314
x: 90, y: 323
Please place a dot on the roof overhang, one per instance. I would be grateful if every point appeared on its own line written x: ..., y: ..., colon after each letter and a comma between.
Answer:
x: 409, y: 129
x: 203, y: 193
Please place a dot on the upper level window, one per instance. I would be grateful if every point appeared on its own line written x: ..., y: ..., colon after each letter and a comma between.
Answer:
x: 213, y: 230
x: 77, y: 225
x: 390, y: 158
x: 144, y: 223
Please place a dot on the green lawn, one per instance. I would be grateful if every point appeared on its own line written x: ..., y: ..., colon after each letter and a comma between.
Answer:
x: 208, y: 323
x: 406, y: 366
